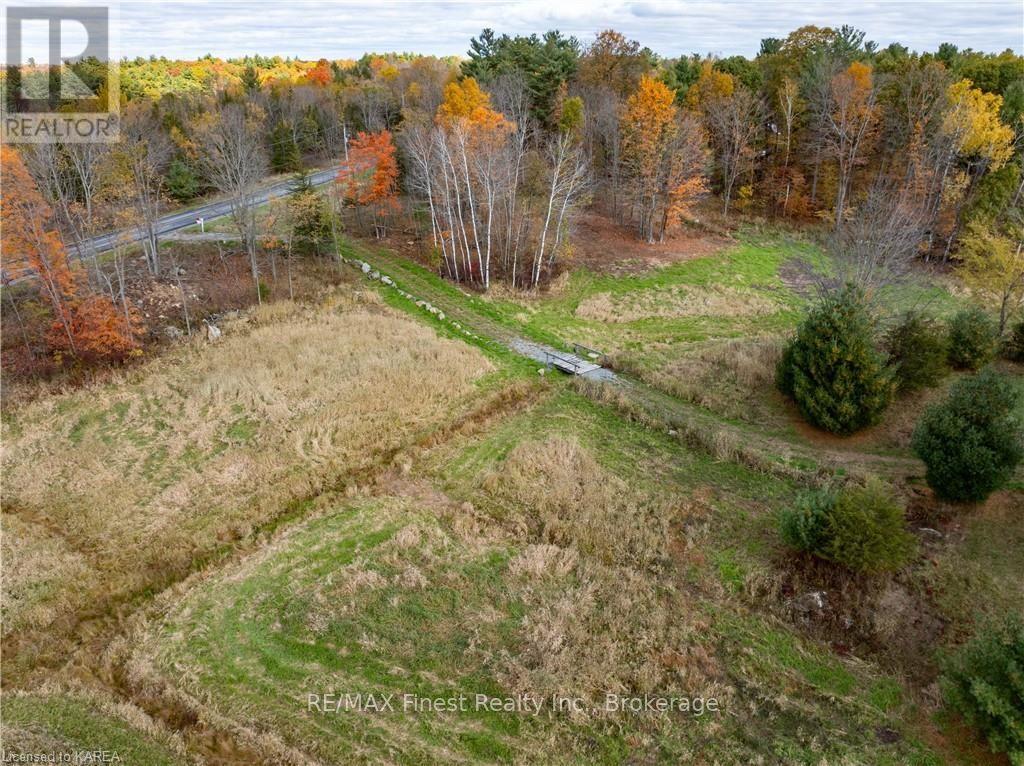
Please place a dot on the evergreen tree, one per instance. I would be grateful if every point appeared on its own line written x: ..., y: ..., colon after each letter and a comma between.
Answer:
x: 284, y: 152
x: 250, y: 80
x: 831, y: 368
x: 971, y: 443
x: 182, y: 182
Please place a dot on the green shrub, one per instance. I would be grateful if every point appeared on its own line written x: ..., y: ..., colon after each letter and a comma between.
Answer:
x: 831, y: 368
x: 784, y: 370
x: 918, y: 349
x: 804, y: 526
x: 971, y: 442
x: 861, y: 528
x: 972, y: 339
x: 1013, y: 345
x: 183, y: 184
x: 984, y: 682
x: 867, y: 531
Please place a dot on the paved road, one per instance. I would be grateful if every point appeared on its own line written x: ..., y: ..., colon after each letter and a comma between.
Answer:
x: 185, y: 218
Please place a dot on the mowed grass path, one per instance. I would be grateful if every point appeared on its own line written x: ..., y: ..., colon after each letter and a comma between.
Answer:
x: 558, y: 551
x: 705, y: 363
x: 83, y: 729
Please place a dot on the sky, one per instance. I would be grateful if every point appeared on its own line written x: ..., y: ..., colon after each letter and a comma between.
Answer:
x: 309, y: 29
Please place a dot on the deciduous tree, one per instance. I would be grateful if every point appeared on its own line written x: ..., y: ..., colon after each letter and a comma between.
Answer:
x: 734, y: 122
x: 992, y: 265
x: 665, y: 155
x: 231, y: 151
x: 370, y: 175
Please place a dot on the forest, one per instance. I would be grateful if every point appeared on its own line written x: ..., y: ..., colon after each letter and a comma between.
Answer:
x: 894, y: 156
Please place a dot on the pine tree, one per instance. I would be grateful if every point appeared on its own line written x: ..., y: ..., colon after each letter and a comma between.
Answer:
x: 831, y: 368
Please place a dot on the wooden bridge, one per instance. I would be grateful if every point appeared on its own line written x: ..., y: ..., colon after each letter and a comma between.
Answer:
x: 570, y: 363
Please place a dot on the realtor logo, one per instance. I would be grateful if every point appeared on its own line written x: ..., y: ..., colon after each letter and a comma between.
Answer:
x: 60, y: 83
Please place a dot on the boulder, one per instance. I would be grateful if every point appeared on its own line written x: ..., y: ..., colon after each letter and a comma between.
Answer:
x: 213, y: 332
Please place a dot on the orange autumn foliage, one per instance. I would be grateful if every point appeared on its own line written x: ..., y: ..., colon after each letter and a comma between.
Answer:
x: 28, y: 246
x: 648, y: 124
x: 663, y: 153
x: 465, y: 103
x: 683, y: 197
x: 712, y: 84
x: 320, y: 74
x: 370, y: 176
x: 84, y: 325
x: 371, y: 173
x: 97, y: 328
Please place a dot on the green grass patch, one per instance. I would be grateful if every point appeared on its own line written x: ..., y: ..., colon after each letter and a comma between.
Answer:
x: 51, y: 725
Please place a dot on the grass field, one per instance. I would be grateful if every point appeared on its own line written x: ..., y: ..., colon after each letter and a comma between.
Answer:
x: 349, y: 495
x: 123, y: 487
x: 534, y: 558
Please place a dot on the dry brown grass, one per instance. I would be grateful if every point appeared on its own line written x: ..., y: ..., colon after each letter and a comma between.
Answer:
x: 144, y: 476
x: 601, y: 612
x: 734, y: 378
x: 42, y: 576
x: 675, y: 302
x: 558, y: 493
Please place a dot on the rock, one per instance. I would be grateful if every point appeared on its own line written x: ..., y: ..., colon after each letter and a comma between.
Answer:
x: 929, y: 532
x: 813, y: 601
x: 387, y: 280
x: 172, y: 333
x: 421, y: 304
x: 440, y: 315
x: 365, y: 267
x: 213, y: 332
x: 542, y: 371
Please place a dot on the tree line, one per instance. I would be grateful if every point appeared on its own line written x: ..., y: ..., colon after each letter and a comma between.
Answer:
x: 900, y: 155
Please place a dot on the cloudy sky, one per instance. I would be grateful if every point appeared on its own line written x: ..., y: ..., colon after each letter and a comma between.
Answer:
x: 310, y: 29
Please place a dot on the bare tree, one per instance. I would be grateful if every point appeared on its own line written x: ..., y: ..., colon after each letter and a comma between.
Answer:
x: 603, y: 135
x: 816, y: 83
x: 232, y: 153
x: 512, y: 98
x: 569, y: 171
x: 878, y: 245
x: 70, y: 177
x: 146, y: 149
x: 733, y: 122
x: 487, y: 220
x: 851, y: 124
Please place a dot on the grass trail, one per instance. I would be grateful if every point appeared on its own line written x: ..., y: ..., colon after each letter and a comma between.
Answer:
x: 695, y: 425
